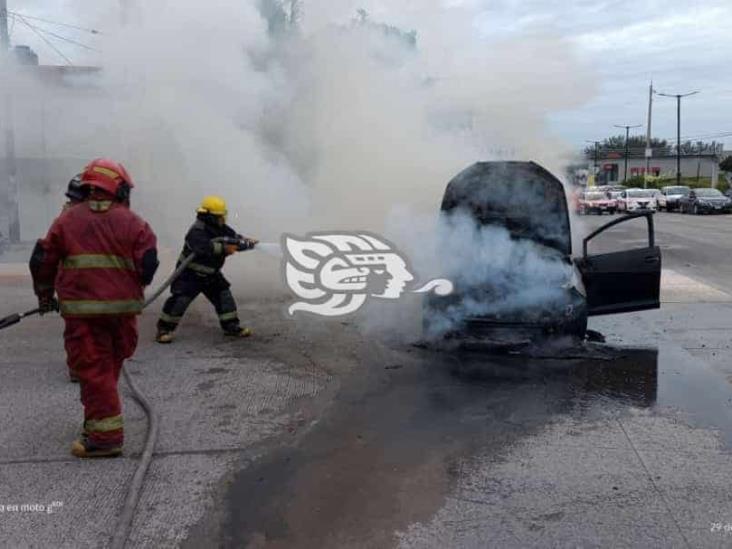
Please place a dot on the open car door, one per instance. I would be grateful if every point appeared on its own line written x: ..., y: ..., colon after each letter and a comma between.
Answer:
x: 622, y: 282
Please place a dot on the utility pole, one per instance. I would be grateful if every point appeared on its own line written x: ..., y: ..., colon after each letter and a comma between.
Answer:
x: 627, y: 149
x: 594, y: 160
x: 4, y: 37
x: 698, y: 160
x: 649, y: 125
x: 678, y: 97
x: 10, y: 165
x: 128, y: 11
x: 295, y: 13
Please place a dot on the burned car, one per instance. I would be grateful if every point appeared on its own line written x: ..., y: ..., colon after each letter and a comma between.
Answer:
x: 506, y: 244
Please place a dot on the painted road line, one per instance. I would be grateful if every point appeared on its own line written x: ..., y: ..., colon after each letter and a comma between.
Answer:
x: 678, y: 288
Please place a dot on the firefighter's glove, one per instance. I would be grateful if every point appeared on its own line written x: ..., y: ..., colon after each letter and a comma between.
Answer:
x: 47, y: 305
x: 231, y: 245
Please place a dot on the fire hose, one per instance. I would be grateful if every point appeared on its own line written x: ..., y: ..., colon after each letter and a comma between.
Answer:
x: 124, y: 522
x: 127, y: 514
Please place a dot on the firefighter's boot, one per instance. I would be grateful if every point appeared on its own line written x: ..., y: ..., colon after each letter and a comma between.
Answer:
x: 238, y: 332
x: 165, y: 337
x: 83, y: 448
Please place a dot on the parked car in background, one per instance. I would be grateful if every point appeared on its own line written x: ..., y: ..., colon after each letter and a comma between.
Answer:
x: 660, y: 199
x: 633, y: 200
x: 706, y: 200
x: 613, y: 191
x: 597, y: 202
x: 672, y: 197
x: 525, y: 205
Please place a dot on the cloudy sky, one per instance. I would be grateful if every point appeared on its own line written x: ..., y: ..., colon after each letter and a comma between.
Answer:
x: 683, y: 45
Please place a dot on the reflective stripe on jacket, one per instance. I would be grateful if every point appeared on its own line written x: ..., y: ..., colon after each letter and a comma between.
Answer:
x: 94, y: 256
x: 210, y: 255
x: 98, y: 261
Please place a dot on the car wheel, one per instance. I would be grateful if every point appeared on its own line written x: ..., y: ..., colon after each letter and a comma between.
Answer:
x: 578, y: 326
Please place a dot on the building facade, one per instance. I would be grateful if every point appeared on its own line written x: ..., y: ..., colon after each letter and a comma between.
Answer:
x: 611, y: 168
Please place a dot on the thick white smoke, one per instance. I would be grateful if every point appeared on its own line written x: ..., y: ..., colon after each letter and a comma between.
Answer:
x: 505, y: 275
x: 340, y: 124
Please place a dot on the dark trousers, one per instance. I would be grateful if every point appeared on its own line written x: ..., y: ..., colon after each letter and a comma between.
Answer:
x: 186, y: 288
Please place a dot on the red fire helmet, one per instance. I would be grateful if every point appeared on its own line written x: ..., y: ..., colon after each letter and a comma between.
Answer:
x: 106, y: 174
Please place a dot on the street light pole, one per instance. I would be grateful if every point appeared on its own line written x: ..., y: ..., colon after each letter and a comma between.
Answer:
x: 678, y: 97
x: 649, y: 129
x: 627, y: 138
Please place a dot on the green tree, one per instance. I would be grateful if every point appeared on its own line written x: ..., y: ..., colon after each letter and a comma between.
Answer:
x: 696, y: 147
x: 726, y: 164
x: 661, y: 147
x: 408, y: 38
x: 636, y: 146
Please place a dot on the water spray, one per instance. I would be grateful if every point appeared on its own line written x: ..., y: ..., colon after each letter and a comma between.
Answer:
x: 270, y: 248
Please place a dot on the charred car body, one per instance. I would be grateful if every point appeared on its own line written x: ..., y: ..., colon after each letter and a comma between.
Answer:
x: 520, y: 210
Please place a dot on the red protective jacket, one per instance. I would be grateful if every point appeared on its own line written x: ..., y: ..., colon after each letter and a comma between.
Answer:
x: 98, y: 256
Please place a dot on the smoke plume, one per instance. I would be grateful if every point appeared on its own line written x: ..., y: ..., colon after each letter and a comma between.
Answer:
x: 339, y: 120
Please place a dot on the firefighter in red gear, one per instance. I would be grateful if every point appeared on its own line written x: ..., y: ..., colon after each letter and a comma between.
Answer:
x: 97, y: 256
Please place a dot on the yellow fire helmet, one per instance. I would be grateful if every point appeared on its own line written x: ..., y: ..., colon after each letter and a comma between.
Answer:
x: 214, y: 205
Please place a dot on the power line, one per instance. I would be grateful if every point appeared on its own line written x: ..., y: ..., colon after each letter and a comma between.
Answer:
x: 76, y: 27
x: 704, y: 136
x: 65, y: 39
x: 48, y: 42
x: 720, y: 134
x: 678, y: 97
x: 627, y: 147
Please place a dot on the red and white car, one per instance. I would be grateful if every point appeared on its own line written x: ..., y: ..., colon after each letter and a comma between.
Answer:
x: 597, y: 202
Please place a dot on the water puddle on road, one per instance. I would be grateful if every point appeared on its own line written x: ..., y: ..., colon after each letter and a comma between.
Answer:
x: 384, y: 454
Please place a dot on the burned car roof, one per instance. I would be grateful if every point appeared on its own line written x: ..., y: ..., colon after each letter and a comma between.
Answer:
x: 523, y: 197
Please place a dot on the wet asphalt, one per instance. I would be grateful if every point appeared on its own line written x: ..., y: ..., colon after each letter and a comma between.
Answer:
x: 617, y: 444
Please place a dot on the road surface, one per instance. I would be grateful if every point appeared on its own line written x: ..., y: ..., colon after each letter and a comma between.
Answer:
x: 313, y: 435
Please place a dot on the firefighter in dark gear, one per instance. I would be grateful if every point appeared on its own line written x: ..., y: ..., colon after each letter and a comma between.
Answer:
x: 76, y: 192
x: 97, y: 256
x: 211, y: 240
